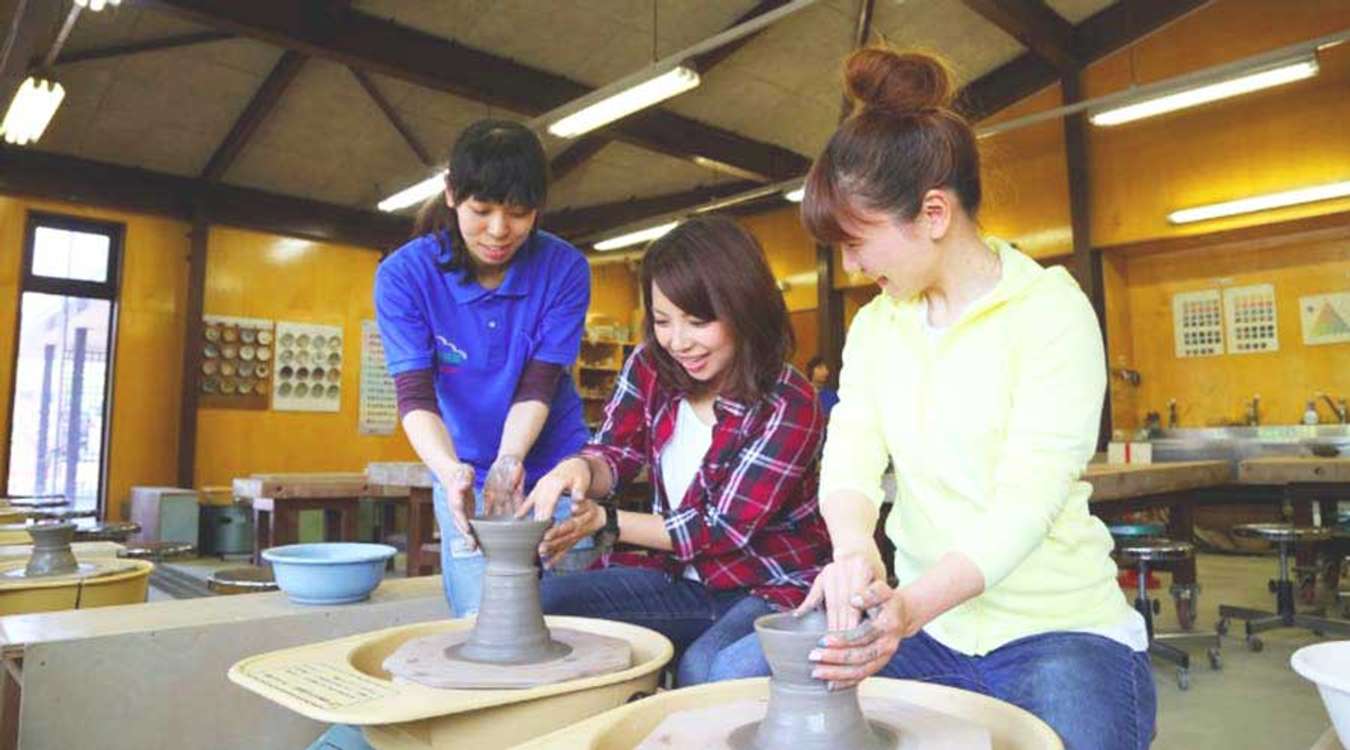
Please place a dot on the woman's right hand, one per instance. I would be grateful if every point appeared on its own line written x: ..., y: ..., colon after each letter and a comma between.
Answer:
x: 572, y: 475
x: 458, y: 483
x: 839, y: 582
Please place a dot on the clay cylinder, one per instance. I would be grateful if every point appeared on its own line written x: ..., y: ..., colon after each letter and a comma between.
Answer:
x: 510, y: 627
x: 51, y: 550
x: 802, y: 712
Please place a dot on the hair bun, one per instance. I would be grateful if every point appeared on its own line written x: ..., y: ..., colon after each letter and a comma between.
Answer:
x: 897, y: 82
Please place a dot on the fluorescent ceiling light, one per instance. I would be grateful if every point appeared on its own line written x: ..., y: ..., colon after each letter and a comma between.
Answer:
x: 416, y: 194
x: 1261, y: 203
x: 31, y: 110
x: 1282, y: 73
x: 97, y: 5
x: 795, y: 195
x: 672, y: 82
x: 633, y: 238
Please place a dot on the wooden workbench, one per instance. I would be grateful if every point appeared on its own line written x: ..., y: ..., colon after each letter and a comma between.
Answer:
x: 1112, y: 482
x: 415, y: 480
x: 278, y: 499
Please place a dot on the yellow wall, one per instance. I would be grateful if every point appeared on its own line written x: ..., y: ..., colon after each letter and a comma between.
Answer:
x: 614, y: 293
x: 258, y: 275
x: 145, y: 400
x: 1025, y: 178
x: 1213, y: 390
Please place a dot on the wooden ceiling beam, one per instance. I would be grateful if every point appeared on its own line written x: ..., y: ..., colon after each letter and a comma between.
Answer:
x: 376, y: 45
x: 576, y: 153
x: 70, y: 179
x: 393, y: 117
x: 1047, y: 34
x: 259, y: 107
x: 1109, y: 30
x: 575, y: 223
x: 26, y: 37
x: 149, y: 45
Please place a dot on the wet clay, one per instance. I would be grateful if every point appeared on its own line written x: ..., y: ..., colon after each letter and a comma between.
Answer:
x: 802, y: 712
x: 51, y: 550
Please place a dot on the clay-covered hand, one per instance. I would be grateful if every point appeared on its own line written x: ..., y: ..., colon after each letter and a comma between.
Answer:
x: 586, y: 519
x: 846, y: 658
x: 504, y: 487
x: 458, y: 483
x: 572, y: 475
x: 838, y: 582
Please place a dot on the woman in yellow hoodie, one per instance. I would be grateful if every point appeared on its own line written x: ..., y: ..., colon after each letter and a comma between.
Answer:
x: 980, y: 375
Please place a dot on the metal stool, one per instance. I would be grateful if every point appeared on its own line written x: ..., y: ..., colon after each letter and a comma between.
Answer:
x: 111, y: 531
x: 1141, y: 552
x: 251, y: 579
x: 156, y: 551
x: 1285, y: 536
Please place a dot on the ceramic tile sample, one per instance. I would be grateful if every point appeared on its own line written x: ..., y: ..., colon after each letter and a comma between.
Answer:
x: 308, y: 367
x: 1250, y: 314
x: 235, y: 361
x: 1197, y: 324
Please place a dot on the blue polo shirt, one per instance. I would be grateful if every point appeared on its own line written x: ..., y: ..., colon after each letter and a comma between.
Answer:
x: 479, y: 340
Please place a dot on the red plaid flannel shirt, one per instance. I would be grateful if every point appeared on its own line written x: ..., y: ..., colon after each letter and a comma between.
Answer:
x: 750, y: 519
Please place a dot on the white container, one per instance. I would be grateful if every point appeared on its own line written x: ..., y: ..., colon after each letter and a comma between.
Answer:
x: 1327, y: 665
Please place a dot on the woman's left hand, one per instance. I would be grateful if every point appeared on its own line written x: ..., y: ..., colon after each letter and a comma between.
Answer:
x: 586, y: 519
x: 847, y: 658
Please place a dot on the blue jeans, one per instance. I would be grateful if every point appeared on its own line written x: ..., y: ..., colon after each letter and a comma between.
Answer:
x: 462, y: 568
x: 700, y: 622
x: 1096, y: 693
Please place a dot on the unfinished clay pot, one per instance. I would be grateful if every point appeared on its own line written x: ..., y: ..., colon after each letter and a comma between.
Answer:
x: 510, y: 627
x: 51, y: 550
x: 802, y: 712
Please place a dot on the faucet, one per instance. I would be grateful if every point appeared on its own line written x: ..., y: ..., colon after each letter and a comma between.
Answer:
x: 1254, y: 411
x: 1171, y: 413
x: 1337, y: 407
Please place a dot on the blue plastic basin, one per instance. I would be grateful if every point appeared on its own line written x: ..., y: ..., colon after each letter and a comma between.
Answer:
x: 330, y: 572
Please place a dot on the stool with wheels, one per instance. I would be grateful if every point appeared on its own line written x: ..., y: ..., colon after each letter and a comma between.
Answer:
x: 1285, y: 536
x: 1141, y: 552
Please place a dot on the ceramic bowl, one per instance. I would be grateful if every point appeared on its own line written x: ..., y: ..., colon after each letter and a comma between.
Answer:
x: 211, y: 385
x: 264, y: 336
x: 260, y: 388
x: 284, y: 390
x: 286, y: 356
x: 316, y: 391
x: 1327, y: 665
x: 210, y: 351
x: 227, y: 386
x: 246, y: 352
x: 334, y: 359
x: 229, y: 351
x: 246, y: 386
x: 317, y: 374
x: 211, y: 333
x: 227, y: 368
x: 301, y: 390
x: 245, y: 369
x: 334, y: 375
x: 209, y: 367
x: 287, y: 340
x: 334, y: 391
x: 302, y: 341
x: 302, y: 373
x: 328, y: 572
x: 334, y: 342
x: 263, y: 354
x: 262, y: 370
x: 248, y: 335
x: 302, y: 357
x: 229, y: 334
x: 285, y: 373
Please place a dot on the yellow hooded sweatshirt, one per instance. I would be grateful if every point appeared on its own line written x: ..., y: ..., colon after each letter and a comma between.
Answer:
x: 989, y: 429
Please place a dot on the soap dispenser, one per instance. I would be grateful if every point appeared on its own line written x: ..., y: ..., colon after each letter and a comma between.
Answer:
x: 1310, y: 416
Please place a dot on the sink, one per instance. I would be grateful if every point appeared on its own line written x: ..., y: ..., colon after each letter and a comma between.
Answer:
x: 1238, y: 443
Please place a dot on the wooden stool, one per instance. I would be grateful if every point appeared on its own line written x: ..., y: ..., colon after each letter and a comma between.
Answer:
x: 1285, y: 536
x: 1140, y: 552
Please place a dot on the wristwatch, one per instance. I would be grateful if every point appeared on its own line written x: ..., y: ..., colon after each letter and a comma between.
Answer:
x: 609, y: 533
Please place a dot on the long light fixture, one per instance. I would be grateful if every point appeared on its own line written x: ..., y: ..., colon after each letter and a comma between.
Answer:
x: 797, y: 195
x: 97, y: 5
x: 1276, y: 75
x: 31, y: 110
x: 633, y: 238
x: 1261, y: 203
x: 411, y: 196
x: 673, y: 82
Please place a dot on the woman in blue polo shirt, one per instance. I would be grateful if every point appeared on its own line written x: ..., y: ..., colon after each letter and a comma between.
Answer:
x: 481, y: 317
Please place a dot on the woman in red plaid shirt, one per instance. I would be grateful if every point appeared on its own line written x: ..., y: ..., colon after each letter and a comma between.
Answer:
x: 730, y: 435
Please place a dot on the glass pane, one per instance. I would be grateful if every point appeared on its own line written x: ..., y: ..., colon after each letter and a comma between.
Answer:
x: 63, y: 254
x: 56, y: 440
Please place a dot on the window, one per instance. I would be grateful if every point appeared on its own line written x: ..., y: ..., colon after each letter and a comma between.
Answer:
x: 60, y: 402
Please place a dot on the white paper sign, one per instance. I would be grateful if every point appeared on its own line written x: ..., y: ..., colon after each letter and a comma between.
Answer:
x: 379, y: 407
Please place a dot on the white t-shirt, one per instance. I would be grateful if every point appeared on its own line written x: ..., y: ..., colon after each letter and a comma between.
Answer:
x: 681, y: 458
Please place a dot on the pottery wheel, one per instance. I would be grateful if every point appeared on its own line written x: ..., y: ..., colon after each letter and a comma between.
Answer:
x: 12, y: 574
x: 430, y: 661
x: 731, y: 727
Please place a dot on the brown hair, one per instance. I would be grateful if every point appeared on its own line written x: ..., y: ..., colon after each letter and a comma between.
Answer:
x: 902, y: 141
x: 713, y: 269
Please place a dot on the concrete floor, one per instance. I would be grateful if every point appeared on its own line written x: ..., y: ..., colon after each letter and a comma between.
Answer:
x: 1255, y: 702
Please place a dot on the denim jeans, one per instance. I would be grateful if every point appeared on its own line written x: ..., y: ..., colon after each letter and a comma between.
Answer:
x: 1096, y: 693
x: 462, y: 568
x: 700, y: 622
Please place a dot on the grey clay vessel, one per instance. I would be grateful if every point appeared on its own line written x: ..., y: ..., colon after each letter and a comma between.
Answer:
x: 51, y: 550
x: 803, y: 714
x: 510, y: 627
